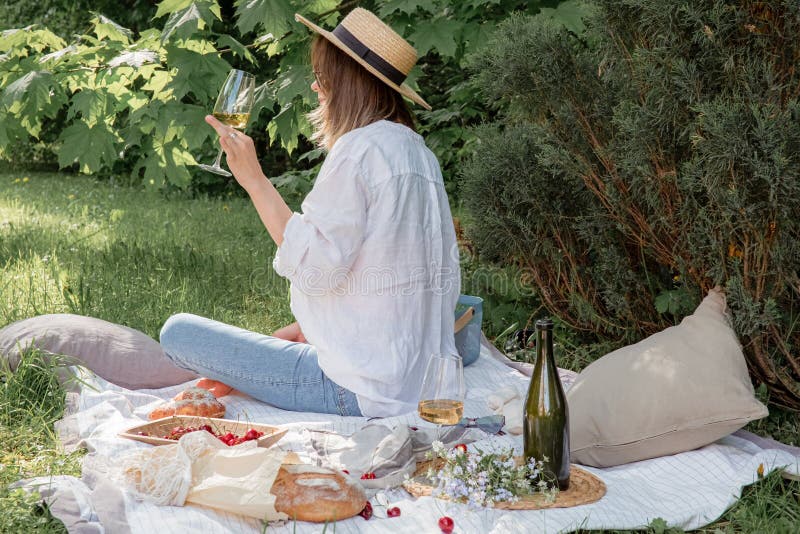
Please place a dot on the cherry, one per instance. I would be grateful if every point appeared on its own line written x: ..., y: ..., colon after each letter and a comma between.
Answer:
x: 345, y: 471
x: 393, y: 511
x: 368, y: 476
x: 366, y: 513
x: 446, y: 525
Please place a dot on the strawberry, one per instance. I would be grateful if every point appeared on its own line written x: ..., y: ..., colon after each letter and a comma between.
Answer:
x: 393, y: 511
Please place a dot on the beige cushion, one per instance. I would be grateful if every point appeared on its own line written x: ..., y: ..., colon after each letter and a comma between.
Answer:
x: 674, y: 391
x: 119, y: 354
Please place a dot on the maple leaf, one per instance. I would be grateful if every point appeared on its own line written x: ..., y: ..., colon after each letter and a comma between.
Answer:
x: 193, y: 17
x: 437, y: 33
x: 274, y: 16
x: 90, y: 147
x: 33, y: 97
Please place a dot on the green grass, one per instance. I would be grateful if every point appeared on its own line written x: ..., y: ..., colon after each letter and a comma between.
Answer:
x: 71, y: 244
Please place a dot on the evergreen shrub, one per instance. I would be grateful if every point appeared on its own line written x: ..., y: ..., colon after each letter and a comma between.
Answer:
x: 644, y: 161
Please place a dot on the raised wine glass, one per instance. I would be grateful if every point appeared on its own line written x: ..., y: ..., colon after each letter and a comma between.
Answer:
x: 442, y: 396
x: 234, y: 103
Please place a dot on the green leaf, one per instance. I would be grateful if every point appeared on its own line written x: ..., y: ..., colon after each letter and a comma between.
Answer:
x: 274, y: 16
x: 200, y: 70
x: 236, y: 47
x: 171, y: 6
x: 6, y: 132
x: 318, y: 7
x: 90, y: 147
x: 292, y: 81
x: 33, y: 97
x: 95, y: 106
x: 476, y: 35
x: 190, y: 19
x: 264, y: 98
x: 107, y: 29
x: 438, y: 33
x: 404, y: 6
x: 182, y: 122
x: 158, y: 83
x: 675, y: 302
x: 31, y: 37
x: 569, y: 14
x: 165, y: 163
x: 286, y: 126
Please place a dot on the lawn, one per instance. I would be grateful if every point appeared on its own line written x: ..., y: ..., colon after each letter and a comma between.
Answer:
x: 72, y: 244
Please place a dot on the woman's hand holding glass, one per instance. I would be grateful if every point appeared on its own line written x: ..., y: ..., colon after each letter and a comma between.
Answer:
x: 240, y: 155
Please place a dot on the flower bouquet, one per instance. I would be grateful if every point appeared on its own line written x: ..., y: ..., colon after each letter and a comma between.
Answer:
x: 484, y: 479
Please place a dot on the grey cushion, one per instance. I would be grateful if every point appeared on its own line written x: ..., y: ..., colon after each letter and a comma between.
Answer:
x: 119, y: 354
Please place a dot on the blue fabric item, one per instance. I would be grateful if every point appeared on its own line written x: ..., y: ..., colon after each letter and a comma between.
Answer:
x: 468, y: 340
x: 283, y: 373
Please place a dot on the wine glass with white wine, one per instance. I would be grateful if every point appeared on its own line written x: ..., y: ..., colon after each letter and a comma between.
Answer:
x: 234, y: 103
x: 442, y: 396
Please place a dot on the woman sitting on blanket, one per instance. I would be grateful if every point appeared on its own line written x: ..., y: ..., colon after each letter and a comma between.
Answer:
x: 372, y: 258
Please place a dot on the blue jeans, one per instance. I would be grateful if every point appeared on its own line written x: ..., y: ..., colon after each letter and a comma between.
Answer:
x: 282, y: 373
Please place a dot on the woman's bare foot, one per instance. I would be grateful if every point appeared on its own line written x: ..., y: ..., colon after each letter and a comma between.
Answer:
x: 218, y: 389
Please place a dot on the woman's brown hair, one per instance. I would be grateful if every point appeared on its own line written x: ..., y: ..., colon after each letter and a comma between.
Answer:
x: 353, y: 96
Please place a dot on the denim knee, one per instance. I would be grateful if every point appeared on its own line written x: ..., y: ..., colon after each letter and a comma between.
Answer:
x: 176, y: 330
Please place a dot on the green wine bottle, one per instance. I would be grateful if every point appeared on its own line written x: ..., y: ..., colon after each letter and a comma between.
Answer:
x: 546, y: 422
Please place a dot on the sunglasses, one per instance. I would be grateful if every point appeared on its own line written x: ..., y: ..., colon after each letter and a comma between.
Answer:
x: 491, y: 424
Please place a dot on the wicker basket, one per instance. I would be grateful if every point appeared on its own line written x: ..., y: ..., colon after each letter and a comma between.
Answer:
x: 161, y: 427
x: 584, y: 488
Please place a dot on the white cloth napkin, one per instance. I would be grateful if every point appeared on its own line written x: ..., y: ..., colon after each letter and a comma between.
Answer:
x: 388, y: 453
x: 510, y: 402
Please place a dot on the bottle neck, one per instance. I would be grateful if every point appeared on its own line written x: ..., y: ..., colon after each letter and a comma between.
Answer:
x: 544, y: 346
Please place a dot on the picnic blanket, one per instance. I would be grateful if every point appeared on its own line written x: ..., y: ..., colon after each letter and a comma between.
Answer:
x: 687, y: 490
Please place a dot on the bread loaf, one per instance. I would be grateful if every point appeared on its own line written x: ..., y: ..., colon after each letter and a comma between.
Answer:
x: 192, y: 401
x: 310, y: 493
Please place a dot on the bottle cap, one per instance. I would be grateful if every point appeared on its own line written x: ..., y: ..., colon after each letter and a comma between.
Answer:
x: 544, y: 324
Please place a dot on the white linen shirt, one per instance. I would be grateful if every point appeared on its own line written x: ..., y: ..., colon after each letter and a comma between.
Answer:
x: 373, y: 265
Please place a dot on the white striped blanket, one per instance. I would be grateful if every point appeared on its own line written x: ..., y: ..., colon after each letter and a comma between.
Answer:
x: 687, y: 490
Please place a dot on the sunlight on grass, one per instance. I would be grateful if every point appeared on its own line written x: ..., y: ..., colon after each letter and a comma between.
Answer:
x: 70, y: 244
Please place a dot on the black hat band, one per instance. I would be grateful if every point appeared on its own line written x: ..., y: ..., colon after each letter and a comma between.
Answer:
x: 369, y: 56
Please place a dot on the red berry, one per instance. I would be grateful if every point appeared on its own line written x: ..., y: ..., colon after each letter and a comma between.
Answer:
x: 368, y: 476
x: 393, y: 512
x: 251, y: 434
x: 345, y: 471
x: 366, y: 513
x: 446, y: 525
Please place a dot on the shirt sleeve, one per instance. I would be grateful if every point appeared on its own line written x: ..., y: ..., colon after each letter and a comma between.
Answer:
x: 321, y: 243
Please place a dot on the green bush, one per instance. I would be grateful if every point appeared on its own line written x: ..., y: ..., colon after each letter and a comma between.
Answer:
x: 646, y: 160
x: 127, y: 96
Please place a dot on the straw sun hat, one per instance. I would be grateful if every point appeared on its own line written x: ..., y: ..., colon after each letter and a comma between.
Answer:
x: 377, y: 47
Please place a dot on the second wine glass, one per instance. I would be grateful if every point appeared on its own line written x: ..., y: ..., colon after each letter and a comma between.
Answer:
x: 442, y: 395
x: 233, y: 107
